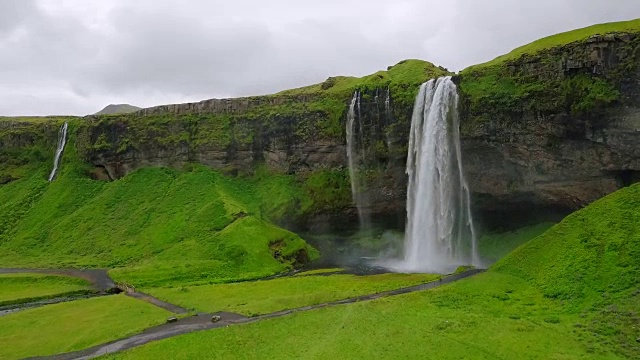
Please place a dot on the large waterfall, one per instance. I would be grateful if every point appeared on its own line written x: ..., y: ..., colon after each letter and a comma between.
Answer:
x: 355, y: 156
x: 439, y: 235
x: 62, y: 141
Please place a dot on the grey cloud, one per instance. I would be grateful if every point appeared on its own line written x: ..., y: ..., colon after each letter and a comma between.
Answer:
x: 74, y: 57
x: 13, y: 13
x: 174, y: 53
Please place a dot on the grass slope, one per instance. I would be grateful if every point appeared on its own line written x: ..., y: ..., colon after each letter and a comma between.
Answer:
x: 571, y: 293
x: 262, y: 297
x: 631, y: 26
x: 157, y: 226
x: 591, y: 257
x: 495, y: 246
x: 76, y: 325
x: 20, y: 288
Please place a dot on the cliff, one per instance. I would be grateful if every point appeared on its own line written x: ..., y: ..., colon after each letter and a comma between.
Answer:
x: 546, y: 129
x: 556, y: 128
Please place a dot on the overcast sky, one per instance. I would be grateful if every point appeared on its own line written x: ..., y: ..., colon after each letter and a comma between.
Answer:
x: 76, y: 56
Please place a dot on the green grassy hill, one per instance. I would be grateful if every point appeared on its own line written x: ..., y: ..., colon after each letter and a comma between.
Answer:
x: 592, y: 258
x: 571, y: 293
x: 156, y: 226
x: 538, y: 78
x: 549, y: 42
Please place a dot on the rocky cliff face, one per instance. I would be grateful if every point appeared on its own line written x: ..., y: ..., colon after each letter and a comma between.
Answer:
x: 571, y: 141
x: 542, y: 135
x: 24, y: 144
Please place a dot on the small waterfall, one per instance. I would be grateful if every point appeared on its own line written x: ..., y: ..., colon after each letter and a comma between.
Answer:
x: 355, y: 156
x: 62, y: 141
x: 387, y: 103
x: 387, y: 115
x: 440, y: 235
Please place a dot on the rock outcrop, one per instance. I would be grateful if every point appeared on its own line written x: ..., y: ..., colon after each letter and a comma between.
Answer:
x: 570, y: 142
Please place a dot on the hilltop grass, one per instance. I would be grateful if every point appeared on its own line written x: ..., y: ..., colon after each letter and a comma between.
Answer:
x: 76, y: 325
x: 156, y: 226
x: 570, y: 293
x: 20, y: 288
x: 38, y: 119
x: 530, y: 82
x: 402, y: 80
x: 263, y: 297
x: 631, y: 26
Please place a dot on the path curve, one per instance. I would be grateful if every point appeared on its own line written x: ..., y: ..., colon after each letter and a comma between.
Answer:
x: 101, y: 281
x: 203, y: 321
x: 99, y: 278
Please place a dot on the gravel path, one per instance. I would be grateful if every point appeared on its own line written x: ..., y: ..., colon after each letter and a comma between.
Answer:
x: 100, y: 280
x: 203, y: 321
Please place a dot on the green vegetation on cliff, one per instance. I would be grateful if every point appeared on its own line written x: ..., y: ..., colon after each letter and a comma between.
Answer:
x: 296, y: 116
x: 569, y: 73
x: 402, y: 80
x: 549, y: 42
x: 571, y: 293
x: 26, y: 143
x: 156, y: 226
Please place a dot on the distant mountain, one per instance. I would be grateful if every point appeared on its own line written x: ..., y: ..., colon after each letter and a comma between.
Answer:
x: 118, y: 109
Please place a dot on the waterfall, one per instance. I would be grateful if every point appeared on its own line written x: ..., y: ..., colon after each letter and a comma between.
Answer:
x: 439, y: 235
x: 62, y: 141
x: 355, y: 156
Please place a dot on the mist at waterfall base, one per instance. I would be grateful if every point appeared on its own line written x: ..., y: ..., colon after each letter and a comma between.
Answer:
x: 439, y: 234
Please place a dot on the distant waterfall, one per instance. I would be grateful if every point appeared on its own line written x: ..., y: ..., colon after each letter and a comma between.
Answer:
x: 440, y: 235
x: 355, y: 156
x: 62, y: 141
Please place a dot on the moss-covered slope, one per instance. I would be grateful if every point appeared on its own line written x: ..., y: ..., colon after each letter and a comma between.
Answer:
x: 591, y: 255
x: 578, y: 73
x: 155, y: 226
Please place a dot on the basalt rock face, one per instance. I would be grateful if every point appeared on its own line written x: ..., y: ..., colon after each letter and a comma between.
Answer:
x: 23, y: 143
x: 229, y: 139
x: 571, y: 140
x: 541, y: 135
x: 231, y: 136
